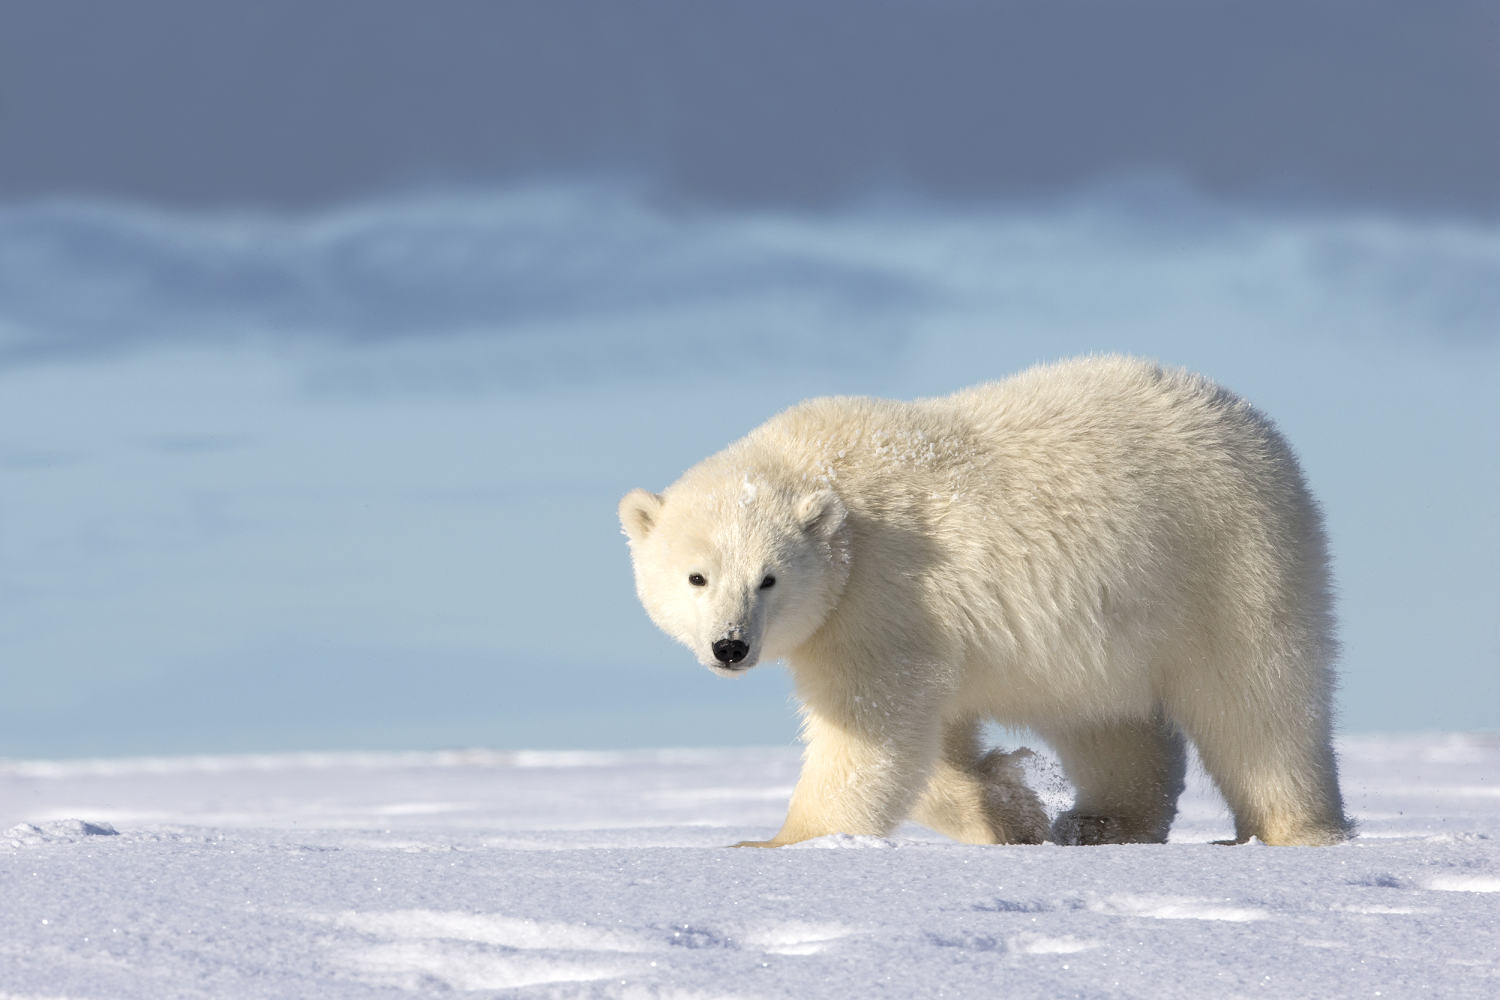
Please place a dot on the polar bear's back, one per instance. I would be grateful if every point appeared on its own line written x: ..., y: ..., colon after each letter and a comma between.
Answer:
x: 1130, y: 428
x: 1075, y: 519
x: 1154, y: 466
x: 1101, y: 430
x: 1109, y: 399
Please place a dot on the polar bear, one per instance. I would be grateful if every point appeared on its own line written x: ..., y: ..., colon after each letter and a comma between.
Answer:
x: 1112, y: 554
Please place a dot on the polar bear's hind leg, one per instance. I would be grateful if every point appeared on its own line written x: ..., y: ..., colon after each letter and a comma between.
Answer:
x: 1276, y: 769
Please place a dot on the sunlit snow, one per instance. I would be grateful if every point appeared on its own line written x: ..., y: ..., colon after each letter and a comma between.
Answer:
x: 605, y: 875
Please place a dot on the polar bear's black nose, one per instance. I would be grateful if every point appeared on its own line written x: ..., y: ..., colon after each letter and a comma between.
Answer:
x: 730, y: 650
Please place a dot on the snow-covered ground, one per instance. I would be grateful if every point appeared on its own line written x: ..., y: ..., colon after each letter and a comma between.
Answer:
x: 605, y: 875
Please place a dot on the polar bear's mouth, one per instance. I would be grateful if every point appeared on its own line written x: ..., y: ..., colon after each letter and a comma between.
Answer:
x: 731, y: 669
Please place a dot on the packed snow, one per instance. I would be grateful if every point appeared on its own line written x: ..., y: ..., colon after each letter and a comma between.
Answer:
x: 605, y: 874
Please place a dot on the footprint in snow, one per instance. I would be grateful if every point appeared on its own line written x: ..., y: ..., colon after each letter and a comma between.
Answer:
x: 436, y: 949
x: 1175, y: 908
x: 1020, y: 944
x: 794, y: 938
x: 1464, y: 883
x: 61, y: 831
x: 429, y: 950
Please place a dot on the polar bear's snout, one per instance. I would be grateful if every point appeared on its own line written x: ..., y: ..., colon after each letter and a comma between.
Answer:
x: 730, y: 651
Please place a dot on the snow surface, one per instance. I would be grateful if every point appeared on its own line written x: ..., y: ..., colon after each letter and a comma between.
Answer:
x: 599, y: 874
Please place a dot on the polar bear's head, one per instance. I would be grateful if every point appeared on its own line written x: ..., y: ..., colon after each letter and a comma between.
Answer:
x: 738, y: 573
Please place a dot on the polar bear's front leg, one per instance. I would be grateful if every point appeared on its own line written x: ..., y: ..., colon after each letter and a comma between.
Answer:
x: 1128, y: 776
x: 857, y: 778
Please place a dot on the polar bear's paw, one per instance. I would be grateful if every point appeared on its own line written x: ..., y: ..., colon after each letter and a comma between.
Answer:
x: 1076, y: 828
x: 1020, y: 822
x: 1014, y: 811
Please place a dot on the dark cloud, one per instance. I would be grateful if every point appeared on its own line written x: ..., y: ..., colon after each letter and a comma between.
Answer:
x: 82, y: 279
x: 542, y: 284
x: 282, y: 103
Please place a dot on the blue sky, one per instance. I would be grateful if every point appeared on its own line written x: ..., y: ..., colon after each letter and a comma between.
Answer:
x: 306, y: 449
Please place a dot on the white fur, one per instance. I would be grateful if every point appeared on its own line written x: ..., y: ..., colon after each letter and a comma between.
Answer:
x: 1113, y: 554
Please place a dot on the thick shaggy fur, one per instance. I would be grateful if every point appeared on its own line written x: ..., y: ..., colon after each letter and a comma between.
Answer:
x: 1113, y: 554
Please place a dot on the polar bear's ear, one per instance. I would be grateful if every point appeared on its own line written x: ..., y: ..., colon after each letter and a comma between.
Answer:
x: 821, y: 513
x: 638, y: 512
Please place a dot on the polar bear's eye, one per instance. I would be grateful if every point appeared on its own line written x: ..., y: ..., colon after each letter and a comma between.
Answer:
x: 697, y: 579
x: 768, y: 583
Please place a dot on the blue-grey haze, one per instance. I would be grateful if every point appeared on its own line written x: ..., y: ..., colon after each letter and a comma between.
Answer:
x: 348, y: 479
